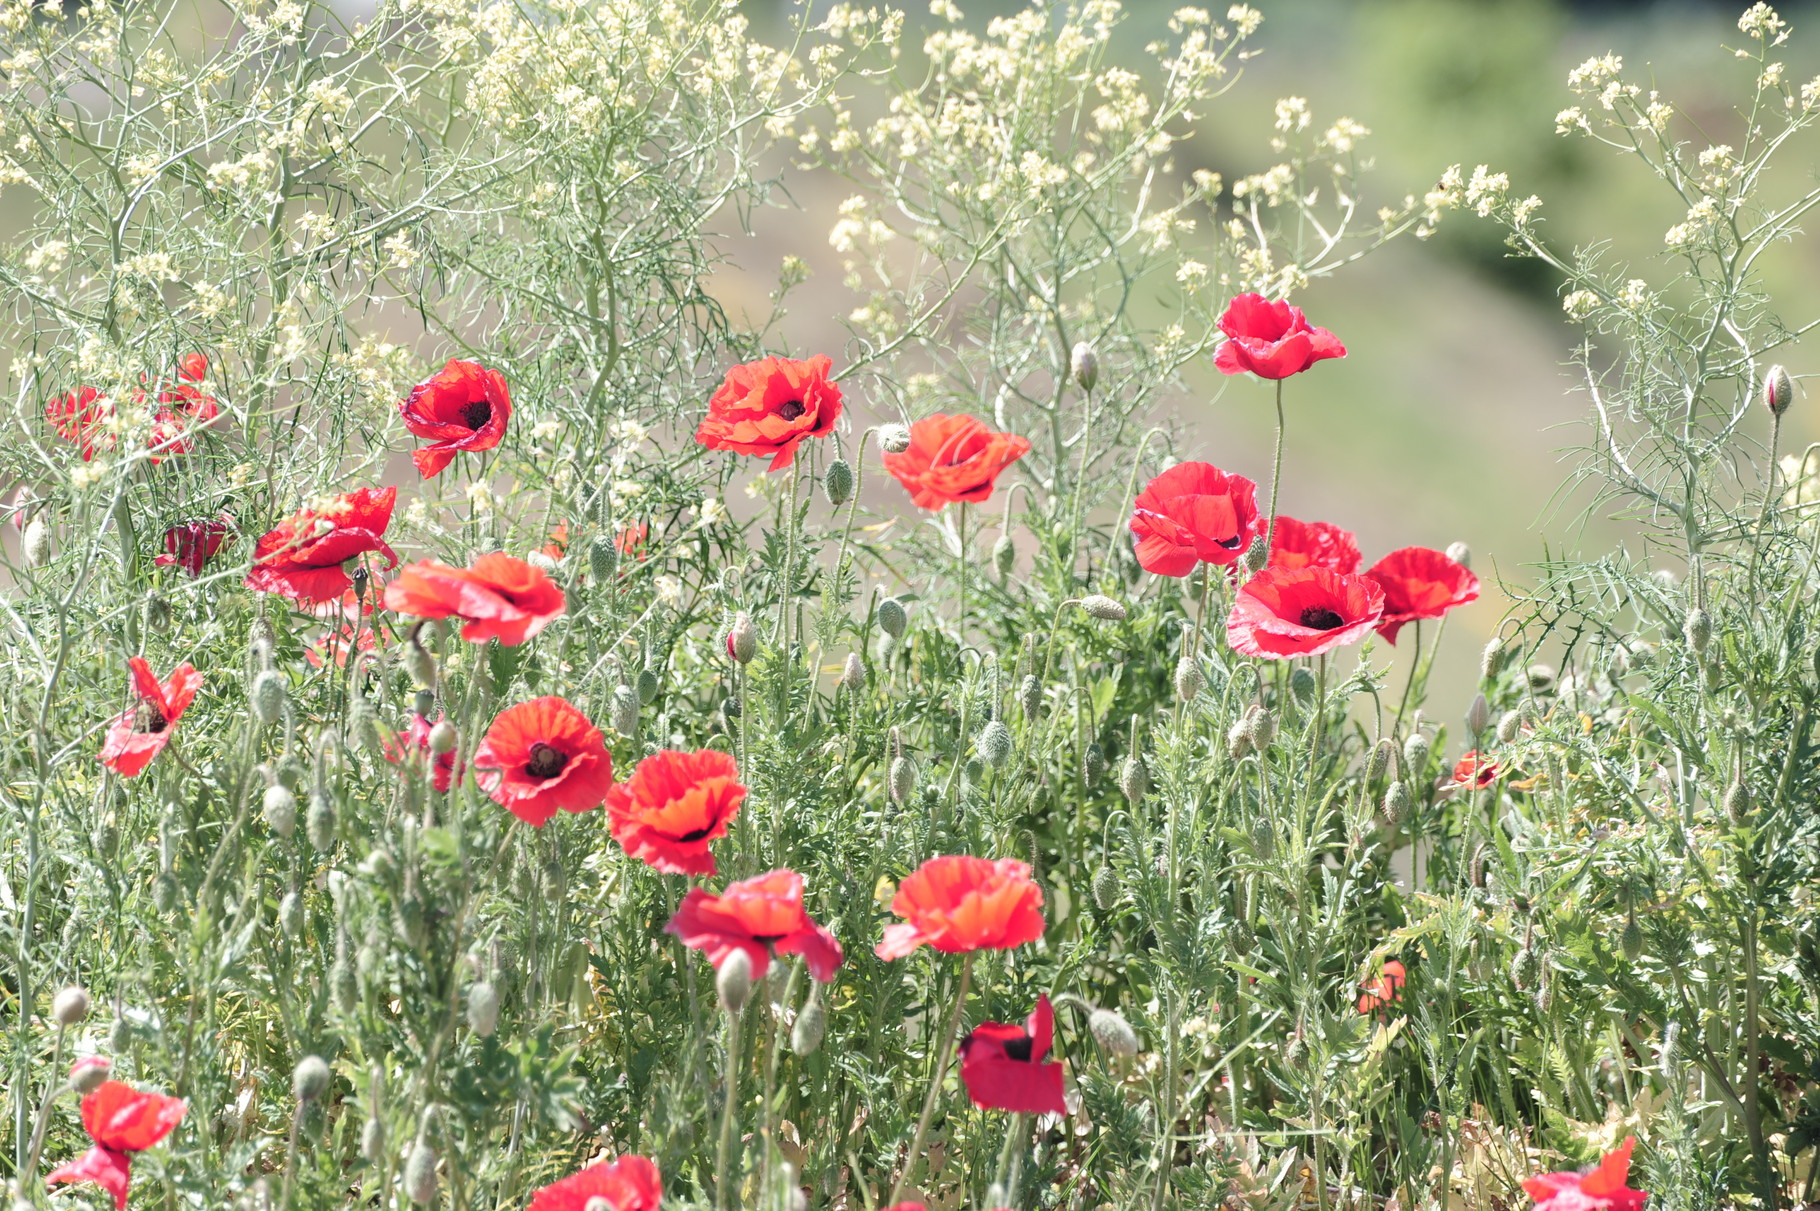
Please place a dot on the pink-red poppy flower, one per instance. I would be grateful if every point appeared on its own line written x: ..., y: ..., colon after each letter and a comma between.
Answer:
x: 121, y: 1120
x: 305, y: 557
x: 496, y: 597
x: 959, y: 903
x: 770, y: 407
x: 82, y: 417
x: 1271, y: 339
x: 190, y: 545
x: 1604, y: 1188
x: 1311, y: 544
x: 463, y: 406
x: 1006, y: 1066
x: 182, y: 407
x: 1191, y: 514
x: 1278, y: 614
x: 140, y: 732
x: 1420, y: 583
x: 1476, y: 769
x: 1385, y: 990
x: 541, y: 757
x: 952, y: 459
x: 674, y: 806
x: 631, y: 1183
x: 762, y: 917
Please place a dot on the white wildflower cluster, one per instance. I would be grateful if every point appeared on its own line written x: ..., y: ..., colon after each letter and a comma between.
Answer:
x: 1701, y: 217
x: 857, y: 227
x: 1580, y: 303
x: 1761, y: 22
x: 242, y: 175
x: 1343, y: 136
x: 381, y: 372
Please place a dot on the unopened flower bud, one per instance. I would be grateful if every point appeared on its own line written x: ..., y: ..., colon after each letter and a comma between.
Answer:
x: 290, y: 915
x: 1778, y: 390
x: 1103, y: 608
x: 1415, y: 755
x: 1478, y: 714
x: 603, y: 558
x: 1509, y: 723
x: 89, y: 1073
x: 733, y: 982
x: 420, y: 1173
x: 1113, y: 1032
x: 35, y: 544
x: 903, y: 779
x: 1093, y: 764
x: 1260, y: 727
x: 157, y: 612
x: 995, y: 743
x: 853, y: 673
x: 542, y: 561
x: 892, y: 618
x: 1525, y: 967
x: 1105, y: 888
x: 1256, y: 555
x: 310, y: 1079
x: 1004, y: 556
x: 1541, y: 678
x: 1698, y: 629
x: 742, y: 638
x: 268, y: 694
x: 1134, y: 778
x: 1737, y: 802
x: 1491, y: 660
x: 1631, y: 939
x: 893, y: 438
x: 70, y: 1007
x: 280, y: 809
x: 645, y: 685
x: 483, y: 1008
x: 1378, y: 763
x: 1397, y: 802
x: 372, y: 1139
x: 837, y: 482
x: 319, y: 820
x: 1084, y: 365
x: 1189, y: 680
x: 623, y: 710
x: 1460, y: 553
x: 442, y: 737
x: 1030, y: 696
x: 811, y: 1025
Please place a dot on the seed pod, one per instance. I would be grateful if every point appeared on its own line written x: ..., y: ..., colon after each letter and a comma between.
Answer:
x: 1415, y: 756
x: 35, y: 544
x: 1093, y: 764
x: 624, y: 710
x: 420, y: 1173
x: 1189, y: 680
x: 280, y: 809
x: 1099, y: 606
x: 1737, y: 802
x: 1460, y: 553
x: 1105, y: 888
x: 1134, y: 778
x: 1631, y: 940
x: 995, y: 743
x: 1491, y: 660
x: 811, y: 1025
x: 483, y: 1008
x: 733, y: 982
x: 1295, y: 1054
x: 290, y: 914
x: 742, y: 639
x: 268, y: 694
x: 603, y: 558
x: 1509, y: 723
x: 646, y: 685
x: 1084, y: 365
x: 852, y: 673
x: 1525, y: 967
x: 1698, y: 630
x: 372, y: 1139
x: 1397, y: 802
x: 893, y: 438
x: 310, y: 1079
x: 892, y: 618
x: 1778, y: 390
x: 70, y: 1007
x: 1478, y: 714
x: 1260, y: 727
x: 837, y: 482
x: 1004, y: 556
x: 1383, y: 753
x: 1030, y: 696
x: 1241, y: 938
x: 319, y: 821
x: 902, y: 779
x: 1113, y: 1032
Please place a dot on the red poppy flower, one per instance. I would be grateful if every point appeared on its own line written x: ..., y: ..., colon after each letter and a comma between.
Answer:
x: 303, y: 558
x: 182, y: 407
x: 1003, y: 1065
x: 121, y: 1120
x: 496, y: 597
x: 82, y: 417
x: 1278, y: 614
x: 1475, y: 769
x: 953, y: 458
x: 1384, y: 991
x: 463, y: 406
x: 1311, y: 544
x: 1601, y: 1189
x: 630, y: 1183
x: 1420, y: 583
x: 414, y: 743
x: 140, y: 732
x: 762, y: 916
x: 1194, y: 513
x: 339, y: 644
x: 191, y: 544
x: 770, y: 406
x: 673, y: 806
x: 960, y: 903
x: 543, y: 756
x: 1271, y: 339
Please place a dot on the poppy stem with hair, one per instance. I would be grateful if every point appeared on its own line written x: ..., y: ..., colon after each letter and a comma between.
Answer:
x: 1276, y: 479
x: 1011, y: 1160
x: 51, y: 1090
x: 960, y: 626
x: 768, y: 1128
x: 943, y: 1048
x: 724, y: 1196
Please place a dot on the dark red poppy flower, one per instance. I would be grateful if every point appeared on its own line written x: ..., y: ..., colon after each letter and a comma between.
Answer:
x: 674, y: 806
x: 121, y: 1120
x: 953, y: 458
x: 1277, y: 614
x: 1604, y: 1188
x: 1004, y: 1067
x: 541, y: 757
x: 959, y: 903
x: 303, y: 558
x: 191, y: 544
x: 1385, y: 990
x: 762, y: 917
x: 1311, y: 544
x: 496, y: 597
x: 140, y: 732
x: 769, y: 407
x: 82, y: 417
x: 413, y: 744
x: 463, y: 406
x: 1271, y: 339
x: 631, y: 1183
x: 1476, y: 769
x: 1191, y: 514
x: 1420, y: 583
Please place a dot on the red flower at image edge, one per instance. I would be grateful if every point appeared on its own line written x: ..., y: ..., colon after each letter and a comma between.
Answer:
x: 1476, y: 769
x: 1420, y: 583
x: 953, y: 458
x: 1191, y: 514
x: 674, y: 806
x: 1311, y: 544
x: 463, y: 406
x: 140, y: 732
x: 1599, y: 1189
x: 631, y: 1183
x: 541, y: 757
x: 414, y: 743
x: 770, y: 407
x: 1003, y: 1065
x: 121, y: 1120
x: 1278, y: 614
x: 960, y: 903
x: 1384, y: 991
x: 496, y: 597
x: 761, y: 916
x: 1271, y: 339
x: 302, y: 558
x: 191, y: 544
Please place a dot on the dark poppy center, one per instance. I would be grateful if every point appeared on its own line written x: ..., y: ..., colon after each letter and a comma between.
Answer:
x: 148, y: 720
x: 696, y: 834
x: 1019, y: 1049
x: 1320, y: 618
x: 477, y: 413
x: 767, y: 939
x: 545, y: 762
x: 792, y: 409
x: 1231, y: 544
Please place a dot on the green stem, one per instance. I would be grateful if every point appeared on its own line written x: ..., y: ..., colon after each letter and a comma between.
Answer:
x: 729, y: 1119
x: 1276, y: 477
x: 943, y: 1047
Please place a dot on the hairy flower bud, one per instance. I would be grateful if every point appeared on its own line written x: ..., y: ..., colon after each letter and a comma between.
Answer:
x: 603, y: 558
x: 742, y: 638
x: 837, y: 482
x: 280, y: 809
x: 903, y: 779
x: 1260, y: 727
x: 157, y: 612
x: 344, y: 989
x: 483, y: 1008
x: 35, y: 543
x: 995, y: 743
x: 1238, y: 737
x: 1698, y: 630
x: 892, y: 618
x: 442, y: 737
x: 319, y: 820
x: 1113, y: 1032
x: 1491, y: 660
x: 1397, y: 802
x: 1478, y: 715
x: 1030, y: 696
x: 893, y: 438
x: 1415, y: 755
x: 1099, y: 606
x: 1256, y: 555
x: 89, y: 1073
x: 1525, y: 967
x: 1778, y: 390
x: 372, y: 1139
x: 1093, y: 764
x: 623, y: 710
x: 733, y: 982
x: 1737, y: 802
x: 1134, y: 778
x: 1508, y: 725
x: 1460, y: 553
x: 290, y: 915
x: 1631, y: 939
x: 1084, y: 365
x: 267, y: 695
x: 1189, y: 680
x: 420, y: 1173
x: 1004, y: 556
x: 70, y: 1007
x: 811, y: 1025
x: 1105, y: 888
x: 853, y: 673
x: 1383, y: 754
x: 1303, y: 686
x: 645, y: 685
x: 310, y: 1079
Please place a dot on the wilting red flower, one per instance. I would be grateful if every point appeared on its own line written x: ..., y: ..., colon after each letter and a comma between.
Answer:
x: 770, y: 406
x: 1304, y: 613
x: 190, y: 545
x: 1476, y: 769
x: 81, y: 417
x: 463, y: 406
x: 1271, y: 339
x: 543, y: 756
x: 1191, y: 514
x: 673, y: 806
x: 1600, y: 1189
x: 140, y: 732
x: 960, y: 903
x: 1420, y: 583
x: 302, y: 559
x: 630, y: 1183
x: 762, y: 916
x: 1384, y: 991
x: 1311, y: 544
x: 121, y: 1120
x: 1003, y: 1065
x: 414, y: 742
x: 953, y: 458
x: 496, y: 597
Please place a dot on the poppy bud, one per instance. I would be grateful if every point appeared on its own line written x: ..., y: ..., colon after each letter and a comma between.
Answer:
x: 319, y: 820
x: 1084, y: 365
x: 483, y: 1008
x: 733, y: 982
x: 1260, y: 727
x: 1698, y: 629
x: 1491, y: 660
x: 893, y: 438
x: 89, y: 1073
x: 891, y: 617
x: 420, y: 1173
x: 1264, y: 837
x: 742, y: 639
x: 903, y: 779
x: 1508, y: 724
x: 290, y: 914
x: 1256, y: 555
x: 1295, y: 1054
x: 837, y: 482
x: 1004, y: 555
x: 363, y: 725
x: 542, y: 561
x: 1541, y: 678
x: 280, y: 809
x: 603, y: 557
x: 310, y: 1079
x: 1303, y: 686
x: 1397, y: 802
x: 268, y: 695
x: 1777, y: 390
x: 1238, y: 738
x: 1525, y: 967
x: 1105, y: 888
x: 1134, y: 778
x: 164, y: 892
x: 70, y: 1007
x: 442, y: 737
x: 344, y: 989
x: 1189, y: 680
x: 119, y: 1035
x: 418, y: 661
x: 1737, y: 802
x: 810, y: 1026
x: 1103, y: 608
x: 646, y: 685
x: 1415, y: 755
x: 1093, y: 764
x: 157, y: 612
x: 1460, y: 553
x: 35, y: 544
x: 1378, y: 764
x: 995, y: 743
x: 1030, y: 696
x: 1113, y: 1032
x: 1478, y: 714
x: 1631, y: 940
x: 1241, y: 938
x: 372, y: 1139
x: 624, y: 710
x: 974, y: 771
x: 1668, y: 1056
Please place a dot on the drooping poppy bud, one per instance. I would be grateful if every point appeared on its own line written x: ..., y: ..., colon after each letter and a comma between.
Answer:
x: 1778, y: 390
x: 742, y: 639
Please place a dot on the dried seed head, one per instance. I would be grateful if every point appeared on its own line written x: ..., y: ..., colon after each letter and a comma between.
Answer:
x: 1004, y: 556
x: 1737, y: 802
x: 893, y: 438
x: 70, y: 1007
x: 892, y: 617
x: 1113, y: 1032
x: 1397, y: 802
x: 442, y: 737
x: 1084, y: 365
x: 733, y: 982
x: 268, y: 694
x: 1778, y: 390
x: 310, y: 1079
x: 35, y: 544
x: 1099, y: 606
x: 853, y: 673
x: 1189, y: 680
x: 811, y: 1025
x: 483, y: 1008
x: 995, y: 743
x: 603, y: 558
x: 280, y: 809
x: 420, y: 1173
x: 1698, y: 630
x: 623, y: 710
x: 837, y: 482
x: 1134, y: 778
x: 1478, y: 715
x: 742, y: 638
x: 1105, y: 888
x: 1030, y: 696
x: 1460, y: 553
x: 88, y: 1073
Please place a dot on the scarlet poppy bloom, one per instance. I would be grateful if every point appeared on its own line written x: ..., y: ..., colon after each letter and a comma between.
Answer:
x: 1420, y: 583
x: 303, y: 558
x: 414, y: 742
x: 339, y: 644
x: 1384, y: 991
x: 190, y: 545
x: 1003, y: 1065
x: 1191, y: 514
x: 762, y: 916
x: 953, y: 458
x: 81, y: 417
x: 496, y: 597
x: 181, y: 408
x: 770, y: 406
x: 1476, y: 769
x: 140, y: 732
x: 1601, y: 1189
x: 1271, y: 339
x: 1277, y: 614
x: 543, y: 756
x: 1311, y: 544
x: 673, y: 806
x: 121, y: 1120
x: 630, y: 1183
x: 960, y: 903
x: 463, y: 406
